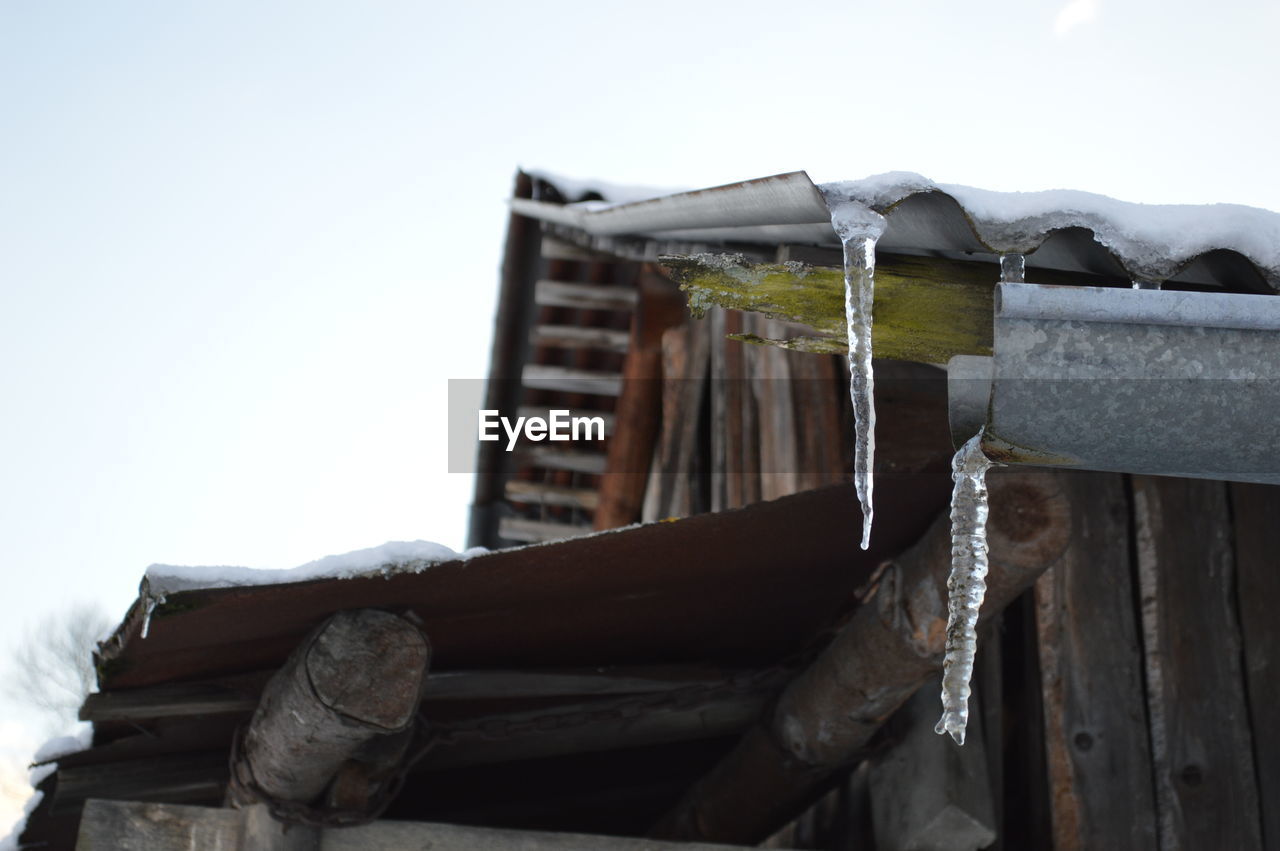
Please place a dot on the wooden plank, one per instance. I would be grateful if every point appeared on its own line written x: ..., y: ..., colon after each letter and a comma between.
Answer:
x: 200, y: 777
x: 520, y: 529
x: 133, y: 826
x: 565, y: 379
x: 583, y: 296
x: 575, y: 337
x: 926, y: 309
x: 544, y: 412
x: 925, y: 791
x: 639, y: 410
x: 1255, y: 509
x: 686, y: 355
x: 1096, y: 737
x: 1202, y: 750
x: 537, y: 493
x: 166, y: 701
x: 573, y: 460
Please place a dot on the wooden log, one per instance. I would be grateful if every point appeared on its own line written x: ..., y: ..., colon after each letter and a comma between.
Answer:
x: 575, y: 337
x: 1096, y: 740
x: 927, y: 793
x: 893, y: 642
x: 537, y: 493
x: 1255, y: 509
x: 1206, y: 788
x: 520, y: 529
x: 357, y: 676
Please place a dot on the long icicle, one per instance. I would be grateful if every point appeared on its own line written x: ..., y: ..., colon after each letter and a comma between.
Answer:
x: 859, y: 294
x: 966, y: 586
x: 859, y: 227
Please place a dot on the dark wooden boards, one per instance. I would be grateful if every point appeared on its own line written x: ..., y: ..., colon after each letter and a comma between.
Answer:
x: 1096, y: 741
x: 1256, y: 512
x: 1202, y: 750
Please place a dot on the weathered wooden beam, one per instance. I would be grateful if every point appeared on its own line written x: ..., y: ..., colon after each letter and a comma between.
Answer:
x: 926, y: 309
x: 890, y: 646
x: 564, y: 379
x: 198, y: 777
x: 575, y: 337
x: 166, y: 701
x: 521, y: 529
x: 1096, y: 738
x: 359, y: 675
x: 1201, y: 746
x: 927, y: 793
x: 133, y: 826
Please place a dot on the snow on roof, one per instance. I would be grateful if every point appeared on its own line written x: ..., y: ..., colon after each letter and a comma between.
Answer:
x: 1152, y: 241
x: 1215, y: 244
x: 391, y: 557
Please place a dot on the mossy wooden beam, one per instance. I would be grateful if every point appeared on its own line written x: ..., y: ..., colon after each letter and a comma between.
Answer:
x: 926, y: 309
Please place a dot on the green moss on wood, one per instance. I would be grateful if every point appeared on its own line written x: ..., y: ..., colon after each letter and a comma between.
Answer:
x: 926, y: 310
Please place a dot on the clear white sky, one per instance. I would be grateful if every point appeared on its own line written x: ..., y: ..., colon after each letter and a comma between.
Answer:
x: 243, y: 245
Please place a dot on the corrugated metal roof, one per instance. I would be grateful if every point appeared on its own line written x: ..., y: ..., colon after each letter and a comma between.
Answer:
x: 925, y: 219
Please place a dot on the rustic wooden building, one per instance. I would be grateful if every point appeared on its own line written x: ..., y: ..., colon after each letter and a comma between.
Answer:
x: 696, y: 650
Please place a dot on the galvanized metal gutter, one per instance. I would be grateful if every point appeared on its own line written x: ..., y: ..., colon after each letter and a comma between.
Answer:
x: 1136, y: 381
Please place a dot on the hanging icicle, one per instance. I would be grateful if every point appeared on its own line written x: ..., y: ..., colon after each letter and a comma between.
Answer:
x: 858, y: 228
x: 966, y: 586
x: 1013, y: 269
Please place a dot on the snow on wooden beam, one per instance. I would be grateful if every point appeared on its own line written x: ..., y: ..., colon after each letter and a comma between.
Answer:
x: 358, y: 676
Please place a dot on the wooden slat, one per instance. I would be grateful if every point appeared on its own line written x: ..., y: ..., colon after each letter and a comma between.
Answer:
x: 1256, y: 510
x: 565, y: 379
x: 135, y: 826
x: 573, y: 460
x: 536, y: 493
x: 545, y: 413
x: 574, y: 337
x: 1206, y: 791
x: 583, y: 296
x: 520, y: 529
x: 1091, y: 669
x: 167, y: 701
x: 639, y: 410
x: 177, y: 778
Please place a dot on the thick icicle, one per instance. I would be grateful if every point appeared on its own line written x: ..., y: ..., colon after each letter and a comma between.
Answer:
x: 858, y: 228
x: 1013, y: 269
x: 966, y: 585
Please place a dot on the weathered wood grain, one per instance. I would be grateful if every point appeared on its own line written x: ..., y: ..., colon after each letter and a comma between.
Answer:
x: 359, y: 675
x: 1096, y: 740
x: 1202, y: 750
x: 1256, y: 510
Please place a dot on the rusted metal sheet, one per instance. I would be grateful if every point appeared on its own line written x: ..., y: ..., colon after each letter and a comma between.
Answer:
x: 650, y: 594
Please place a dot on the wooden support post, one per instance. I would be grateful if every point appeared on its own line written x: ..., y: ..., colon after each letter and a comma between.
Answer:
x: 1096, y: 739
x: 927, y: 793
x: 890, y: 646
x: 358, y: 676
x: 1206, y: 791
